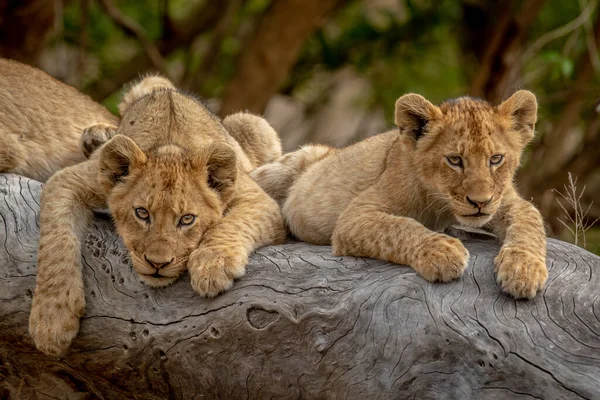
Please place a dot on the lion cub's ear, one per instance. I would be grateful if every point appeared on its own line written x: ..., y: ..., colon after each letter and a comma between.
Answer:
x: 521, y: 107
x: 413, y: 112
x: 142, y: 88
x: 117, y: 157
x: 222, y: 168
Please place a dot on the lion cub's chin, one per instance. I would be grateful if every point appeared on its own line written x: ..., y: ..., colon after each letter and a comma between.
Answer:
x: 157, y: 282
x: 474, y: 221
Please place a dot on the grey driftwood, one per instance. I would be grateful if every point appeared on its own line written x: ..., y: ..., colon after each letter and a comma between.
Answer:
x: 301, y: 324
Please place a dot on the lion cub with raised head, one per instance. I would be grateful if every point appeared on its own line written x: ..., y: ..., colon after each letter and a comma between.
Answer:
x: 387, y: 196
x: 41, y: 120
x: 175, y: 180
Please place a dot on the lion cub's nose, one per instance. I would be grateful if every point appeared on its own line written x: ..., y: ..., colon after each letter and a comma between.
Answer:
x: 157, y: 264
x: 479, y: 202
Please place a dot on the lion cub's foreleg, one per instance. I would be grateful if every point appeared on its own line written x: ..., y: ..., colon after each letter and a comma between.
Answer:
x: 59, y: 299
x: 254, y: 220
x: 366, y: 229
x: 521, y: 264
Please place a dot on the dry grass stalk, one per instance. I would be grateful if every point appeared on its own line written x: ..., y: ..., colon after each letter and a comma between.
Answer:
x: 577, y: 221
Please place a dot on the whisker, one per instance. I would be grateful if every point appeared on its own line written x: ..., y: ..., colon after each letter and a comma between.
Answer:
x: 446, y: 206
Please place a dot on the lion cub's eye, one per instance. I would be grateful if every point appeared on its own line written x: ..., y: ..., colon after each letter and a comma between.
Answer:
x: 496, y: 159
x: 455, y: 161
x: 187, y: 219
x: 142, y: 214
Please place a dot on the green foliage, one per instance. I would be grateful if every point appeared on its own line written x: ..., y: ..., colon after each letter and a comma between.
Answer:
x: 554, y: 68
x: 412, y: 48
x: 112, y: 102
x: 253, y: 7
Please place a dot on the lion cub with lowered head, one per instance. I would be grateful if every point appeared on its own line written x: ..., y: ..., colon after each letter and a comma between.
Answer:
x: 386, y: 196
x: 175, y: 180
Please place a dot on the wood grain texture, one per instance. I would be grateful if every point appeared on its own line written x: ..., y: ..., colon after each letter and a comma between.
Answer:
x: 300, y: 324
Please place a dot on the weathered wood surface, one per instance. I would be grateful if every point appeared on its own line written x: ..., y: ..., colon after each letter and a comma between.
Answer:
x: 301, y: 324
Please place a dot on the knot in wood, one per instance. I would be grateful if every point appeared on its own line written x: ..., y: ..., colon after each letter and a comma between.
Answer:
x: 259, y: 318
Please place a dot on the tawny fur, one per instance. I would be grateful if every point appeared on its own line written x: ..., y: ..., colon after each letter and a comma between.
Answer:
x: 173, y: 158
x: 41, y: 120
x: 260, y: 149
x: 389, y: 196
x: 255, y: 140
x: 277, y: 177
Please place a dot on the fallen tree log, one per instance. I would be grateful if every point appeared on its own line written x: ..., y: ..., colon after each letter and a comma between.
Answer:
x: 301, y: 323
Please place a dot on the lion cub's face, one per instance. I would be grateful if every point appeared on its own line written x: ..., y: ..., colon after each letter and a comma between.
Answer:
x: 162, y: 209
x: 466, y: 150
x: 163, y: 200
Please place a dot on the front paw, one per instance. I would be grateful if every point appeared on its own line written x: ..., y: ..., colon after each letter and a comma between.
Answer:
x: 441, y: 258
x: 54, y: 322
x: 212, y: 271
x: 519, y: 272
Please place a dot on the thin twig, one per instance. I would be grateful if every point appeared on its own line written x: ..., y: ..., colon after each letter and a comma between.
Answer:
x: 559, y: 32
x: 590, y: 40
x: 133, y: 27
x: 571, y: 44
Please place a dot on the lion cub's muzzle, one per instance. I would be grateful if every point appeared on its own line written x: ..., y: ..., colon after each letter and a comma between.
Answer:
x: 157, y: 263
x: 157, y: 271
x: 476, y: 211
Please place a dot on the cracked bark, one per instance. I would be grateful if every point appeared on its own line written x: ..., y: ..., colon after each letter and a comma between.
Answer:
x: 301, y: 323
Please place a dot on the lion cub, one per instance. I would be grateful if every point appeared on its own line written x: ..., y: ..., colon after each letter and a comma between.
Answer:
x: 387, y: 196
x: 175, y: 179
x: 41, y: 120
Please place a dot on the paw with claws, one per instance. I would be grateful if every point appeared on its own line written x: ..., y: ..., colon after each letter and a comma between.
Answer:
x: 54, y: 320
x: 519, y: 272
x: 94, y: 137
x: 441, y: 258
x: 213, y: 270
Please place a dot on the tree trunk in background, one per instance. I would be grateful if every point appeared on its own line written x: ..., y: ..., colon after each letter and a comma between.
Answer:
x: 497, y: 49
x: 272, y: 51
x: 24, y: 28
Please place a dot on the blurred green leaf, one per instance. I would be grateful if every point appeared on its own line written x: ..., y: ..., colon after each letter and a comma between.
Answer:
x: 567, y: 67
x: 256, y: 6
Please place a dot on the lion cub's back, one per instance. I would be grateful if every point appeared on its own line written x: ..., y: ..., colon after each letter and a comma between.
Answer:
x: 325, y: 189
x: 41, y: 120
